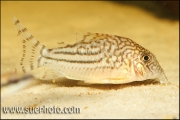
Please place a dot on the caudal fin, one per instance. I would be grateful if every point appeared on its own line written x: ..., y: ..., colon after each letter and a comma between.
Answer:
x: 30, y: 47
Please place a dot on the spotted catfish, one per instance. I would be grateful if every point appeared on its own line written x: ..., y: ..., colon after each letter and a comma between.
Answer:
x: 95, y: 59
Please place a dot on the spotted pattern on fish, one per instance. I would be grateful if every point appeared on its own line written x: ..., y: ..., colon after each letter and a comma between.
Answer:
x: 95, y: 58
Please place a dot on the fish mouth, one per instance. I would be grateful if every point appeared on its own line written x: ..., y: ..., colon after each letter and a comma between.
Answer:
x: 163, y: 79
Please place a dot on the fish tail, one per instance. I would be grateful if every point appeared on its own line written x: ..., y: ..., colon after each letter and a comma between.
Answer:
x: 31, y: 49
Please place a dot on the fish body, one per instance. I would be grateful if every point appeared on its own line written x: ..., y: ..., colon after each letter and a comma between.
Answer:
x: 95, y: 59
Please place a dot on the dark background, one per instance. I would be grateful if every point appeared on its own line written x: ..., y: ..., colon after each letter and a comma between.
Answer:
x: 163, y: 9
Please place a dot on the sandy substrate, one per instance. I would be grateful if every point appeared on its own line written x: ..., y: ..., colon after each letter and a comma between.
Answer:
x: 55, y: 22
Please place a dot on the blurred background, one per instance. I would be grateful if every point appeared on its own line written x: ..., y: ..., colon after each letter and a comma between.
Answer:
x: 163, y: 9
x: 59, y: 21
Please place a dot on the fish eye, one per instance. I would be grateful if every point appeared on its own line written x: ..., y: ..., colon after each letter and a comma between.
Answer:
x: 146, y: 58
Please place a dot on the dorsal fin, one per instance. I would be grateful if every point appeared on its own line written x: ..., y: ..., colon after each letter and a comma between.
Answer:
x: 61, y: 44
x: 87, y: 37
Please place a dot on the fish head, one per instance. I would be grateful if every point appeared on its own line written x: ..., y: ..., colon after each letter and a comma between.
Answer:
x: 146, y: 66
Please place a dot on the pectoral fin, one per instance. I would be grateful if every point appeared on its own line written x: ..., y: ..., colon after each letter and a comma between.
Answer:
x: 106, y: 81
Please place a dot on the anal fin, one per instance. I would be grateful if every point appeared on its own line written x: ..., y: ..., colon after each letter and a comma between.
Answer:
x: 46, y: 73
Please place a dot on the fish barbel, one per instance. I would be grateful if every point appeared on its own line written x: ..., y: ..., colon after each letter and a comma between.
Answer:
x: 95, y: 59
